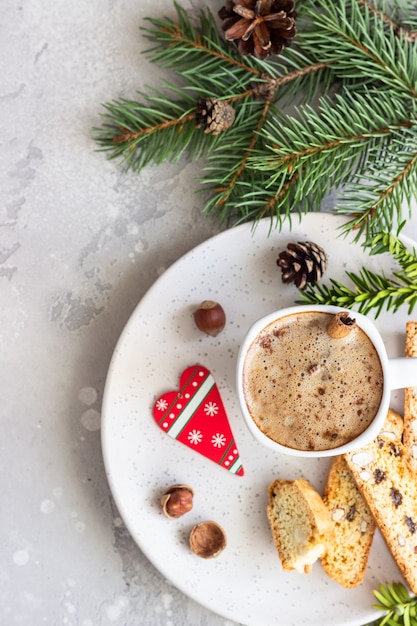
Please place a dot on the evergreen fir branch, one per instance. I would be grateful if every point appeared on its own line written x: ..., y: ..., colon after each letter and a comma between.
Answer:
x: 226, y: 160
x: 269, y: 163
x: 271, y: 87
x: 204, y: 61
x: 364, y: 47
x: 227, y: 189
x: 155, y: 130
x: 400, y: 609
x: 347, y: 140
x: 405, y: 14
x: 138, y: 133
x: 226, y: 175
x: 198, y: 54
x: 371, y: 290
x: 348, y: 123
x: 379, y: 201
x: 182, y: 46
x: 407, y: 33
x: 391, y: 244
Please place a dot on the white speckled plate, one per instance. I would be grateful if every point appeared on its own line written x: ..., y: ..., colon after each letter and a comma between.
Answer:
x: 246, y: 582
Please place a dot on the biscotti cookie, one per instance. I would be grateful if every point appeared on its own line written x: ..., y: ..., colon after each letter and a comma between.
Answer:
x: 410, y: 402
x: 347, y: 556
x: 300, y: 523
x: 390, y: 490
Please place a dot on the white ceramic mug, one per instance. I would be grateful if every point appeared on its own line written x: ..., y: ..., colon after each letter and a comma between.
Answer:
x: 397, y: 373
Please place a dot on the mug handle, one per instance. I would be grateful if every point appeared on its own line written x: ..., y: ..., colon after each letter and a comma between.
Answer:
x: 402, y: 372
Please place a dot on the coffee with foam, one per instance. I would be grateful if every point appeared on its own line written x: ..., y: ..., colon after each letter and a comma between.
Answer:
x: 309, y: 391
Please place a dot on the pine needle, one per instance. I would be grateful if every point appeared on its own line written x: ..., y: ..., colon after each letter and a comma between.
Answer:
x: 399, y: 608
x: 352, y: 69
x: 369, y: 290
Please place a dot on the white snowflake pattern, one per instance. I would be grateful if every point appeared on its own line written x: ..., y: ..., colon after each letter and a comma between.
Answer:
x: 161, y: 404
x: 211, y: 408
x: 218, y: 440
x: 195, y: 436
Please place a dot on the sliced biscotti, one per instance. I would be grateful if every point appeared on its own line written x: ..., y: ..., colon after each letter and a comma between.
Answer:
x: 390, y: 490
x: 300, y: 523
x: 410, y: 401
x: 347, y: 556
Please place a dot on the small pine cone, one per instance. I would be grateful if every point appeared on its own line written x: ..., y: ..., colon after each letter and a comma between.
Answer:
x: 259, y: 27
x: 301, y: 263
x: 214, y: 115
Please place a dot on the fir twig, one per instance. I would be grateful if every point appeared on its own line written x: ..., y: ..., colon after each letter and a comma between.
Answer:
x: 137, y: 133
x: 371, y: 290
x: 409, y: 35
x: 354, y: 40
x: 226, y: 190
x: 337, y: 145
x: 182, y: 47
x: 400, y: 609
x: 380, y: 201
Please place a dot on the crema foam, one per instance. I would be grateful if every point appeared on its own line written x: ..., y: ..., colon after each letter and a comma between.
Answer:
x: 308, y: 391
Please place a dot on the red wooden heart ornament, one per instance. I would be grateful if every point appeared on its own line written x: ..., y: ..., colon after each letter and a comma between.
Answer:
x: 195, y: 416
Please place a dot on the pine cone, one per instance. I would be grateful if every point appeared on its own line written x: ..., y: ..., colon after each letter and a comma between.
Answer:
x: 259, y: 27
x: 214, y: 115
x: 301, y: 263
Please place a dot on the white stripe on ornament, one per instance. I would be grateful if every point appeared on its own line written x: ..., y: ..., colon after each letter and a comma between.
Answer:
x: 189, y: 410
x: 235, y: 466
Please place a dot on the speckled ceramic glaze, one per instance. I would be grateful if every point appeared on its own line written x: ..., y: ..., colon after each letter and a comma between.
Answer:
x: 246, y: 582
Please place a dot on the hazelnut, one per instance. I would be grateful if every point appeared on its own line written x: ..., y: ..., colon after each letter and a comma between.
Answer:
x: 210, y: 318
x: 177, y: 500
x: 207, y: 540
